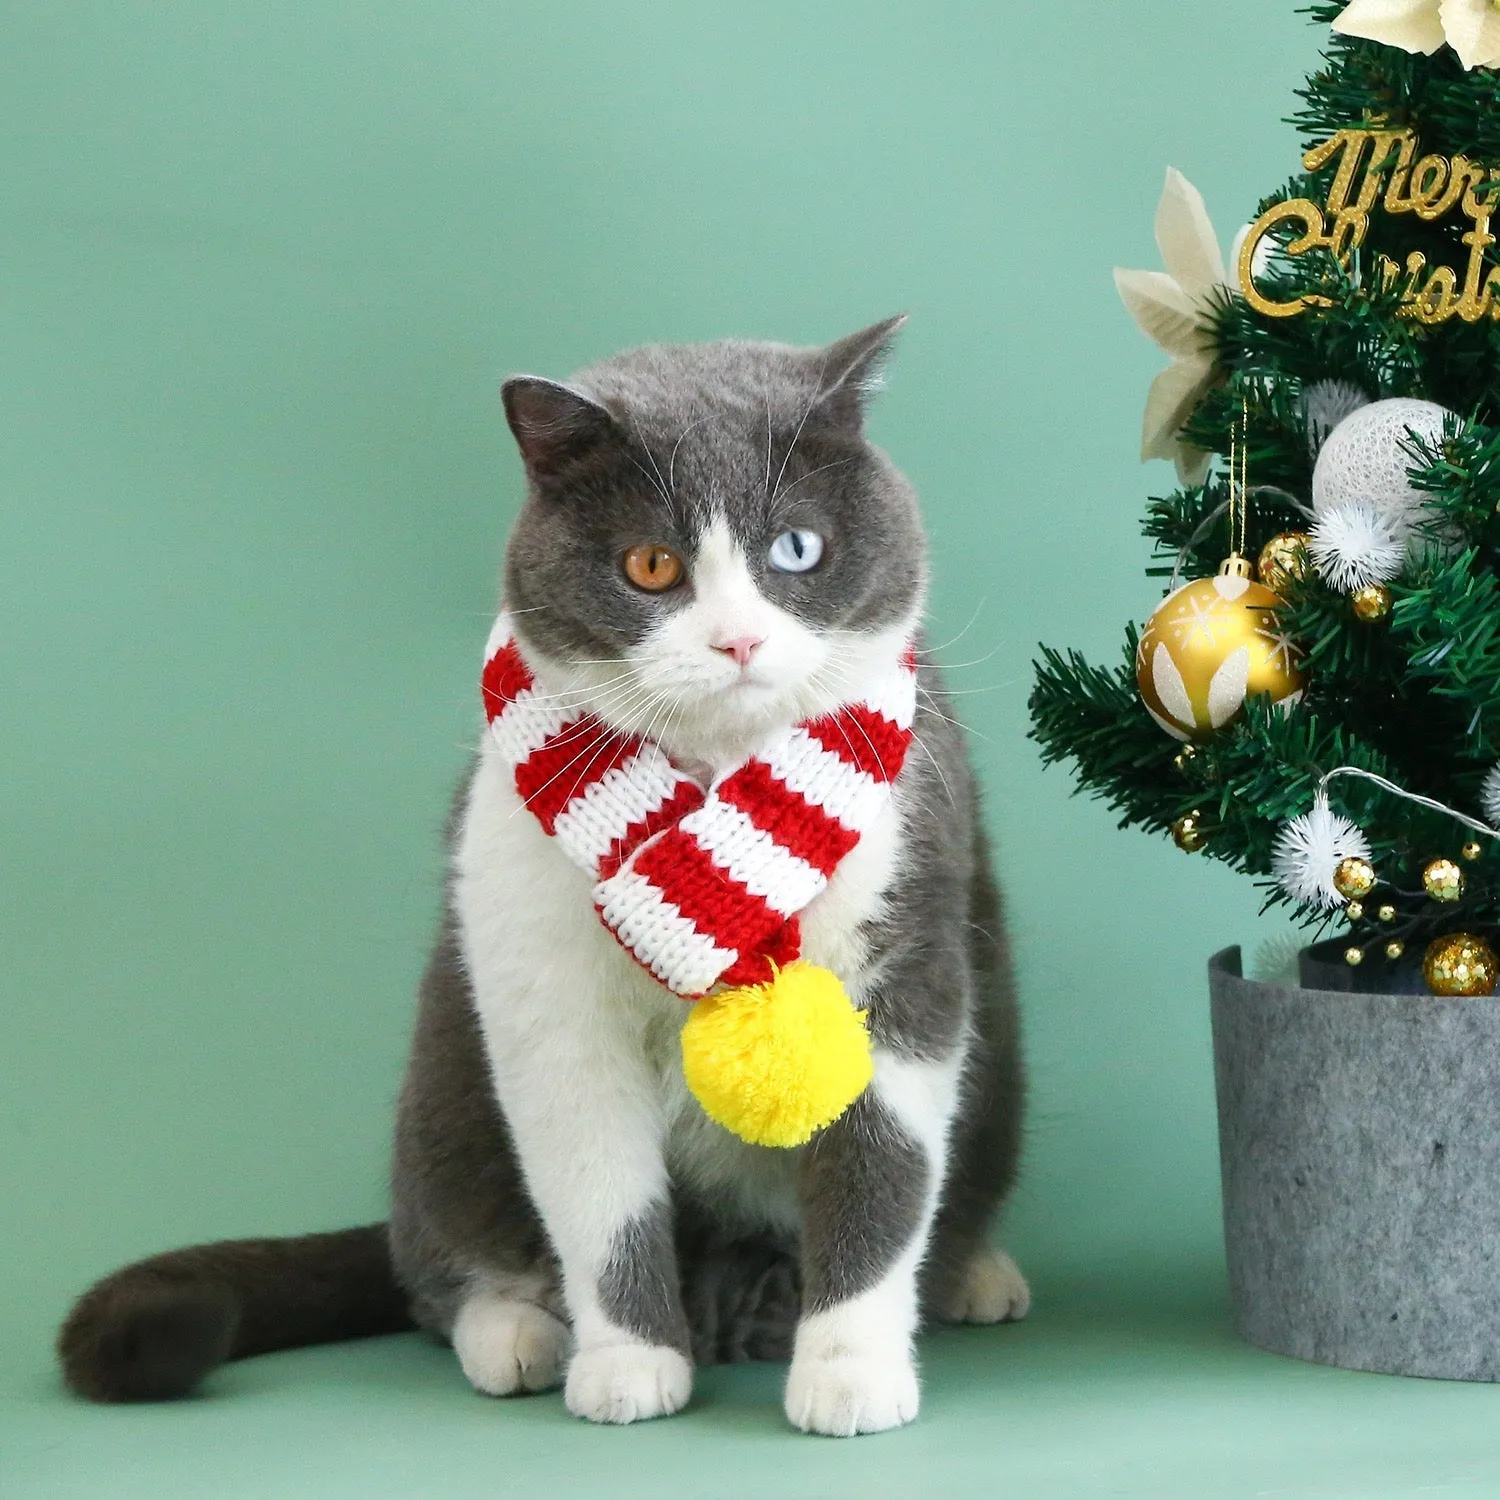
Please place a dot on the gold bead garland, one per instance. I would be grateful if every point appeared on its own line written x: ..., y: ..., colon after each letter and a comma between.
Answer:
x: 1371, y: 603
x: 1443, y: 880
x: 1460, y: 963
x: 1354, y: 878
x: 1284, y: 560
x: 1187, y: 832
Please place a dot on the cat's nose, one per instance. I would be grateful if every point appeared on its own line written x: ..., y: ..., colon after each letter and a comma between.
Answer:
x: 741, y: 648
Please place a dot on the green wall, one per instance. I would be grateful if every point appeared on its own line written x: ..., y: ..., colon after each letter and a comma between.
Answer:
x: 262, y: 268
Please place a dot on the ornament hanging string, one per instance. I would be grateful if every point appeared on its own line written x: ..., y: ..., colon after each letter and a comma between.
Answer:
x: 1209, y: 521
x: 1239, y: 475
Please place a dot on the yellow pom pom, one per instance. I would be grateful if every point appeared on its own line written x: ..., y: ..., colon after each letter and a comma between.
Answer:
x: 776, y: 1062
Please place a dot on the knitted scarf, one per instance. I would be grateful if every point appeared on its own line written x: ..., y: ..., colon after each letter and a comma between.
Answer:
x: 703, y: 887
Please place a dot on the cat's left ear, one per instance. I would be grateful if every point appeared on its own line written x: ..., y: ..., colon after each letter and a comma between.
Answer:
x: 851, y: 371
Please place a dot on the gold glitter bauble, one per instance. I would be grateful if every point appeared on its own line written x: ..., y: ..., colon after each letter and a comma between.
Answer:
x: 1460, y: 964
x: 1394, y: 950
x: 1387, y: 913
x: 1372, y: 602
x: 1354, y: 878
x: 1355, y: 911
x: 1284, y: 559
x: 1472, y: 850
x: 1354, y: 957
x: 1187, y: 832
x: 1443, y: 880
x: 1209, y: 646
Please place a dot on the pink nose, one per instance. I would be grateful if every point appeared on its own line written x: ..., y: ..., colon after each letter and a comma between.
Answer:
x: 741, y: 648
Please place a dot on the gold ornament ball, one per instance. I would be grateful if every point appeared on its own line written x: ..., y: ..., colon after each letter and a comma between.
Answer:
x: 1460, y: 964
x: 1187, y: 832
x: 1371, y: 603
x: 1354, y: 878
x: 1209, y: 646
x: 1387, y: 913
x: 1443, y: 880
x: 1354, y: 957
x: 1472, y: 850
x: 1394, y: 949
x: 1283, y: 560
x: 1355, y: 911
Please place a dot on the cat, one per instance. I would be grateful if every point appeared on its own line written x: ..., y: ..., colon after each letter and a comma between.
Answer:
x: 563, y: 1212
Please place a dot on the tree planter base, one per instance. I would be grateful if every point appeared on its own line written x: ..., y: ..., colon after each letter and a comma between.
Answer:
x: 1359, y: 1138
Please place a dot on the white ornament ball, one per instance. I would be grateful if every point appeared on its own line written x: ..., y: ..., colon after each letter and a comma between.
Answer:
x: 1367, y: 458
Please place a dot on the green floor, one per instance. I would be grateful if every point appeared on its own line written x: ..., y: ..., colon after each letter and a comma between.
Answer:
x: 1084, y: 1400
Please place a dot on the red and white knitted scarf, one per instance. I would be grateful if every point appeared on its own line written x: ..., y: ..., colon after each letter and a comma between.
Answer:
x: 703, y: 888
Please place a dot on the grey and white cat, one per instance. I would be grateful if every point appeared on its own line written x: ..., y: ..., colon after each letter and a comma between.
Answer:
x: 563, y: 1212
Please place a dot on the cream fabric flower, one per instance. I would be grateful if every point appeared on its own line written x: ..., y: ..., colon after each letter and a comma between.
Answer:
x: 1470, y: 27
x: 1174, y: 309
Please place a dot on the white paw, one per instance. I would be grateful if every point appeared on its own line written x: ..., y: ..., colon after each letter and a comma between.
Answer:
x: 507, y: 1346
x: 991, y: 1290
x: 628, y: 1382
x: 841, y: 1393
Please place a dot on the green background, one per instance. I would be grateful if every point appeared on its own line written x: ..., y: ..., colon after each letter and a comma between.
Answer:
x: 262, y: 268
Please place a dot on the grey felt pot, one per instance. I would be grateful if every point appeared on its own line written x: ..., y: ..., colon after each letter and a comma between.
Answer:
x: 1359, y: 1137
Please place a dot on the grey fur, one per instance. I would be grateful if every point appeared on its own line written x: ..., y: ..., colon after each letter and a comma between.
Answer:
x: 640, y: 1289
x: 652, y: 446
x: 864, y: 1181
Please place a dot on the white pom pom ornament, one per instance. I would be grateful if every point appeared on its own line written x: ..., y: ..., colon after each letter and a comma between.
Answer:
x: 1353, y: 545
x: 1489, y: 796
x: 1368, y: 458
x: 1310, y: 849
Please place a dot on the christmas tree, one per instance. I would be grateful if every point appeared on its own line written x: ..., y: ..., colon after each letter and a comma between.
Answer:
x: 1332, y: 726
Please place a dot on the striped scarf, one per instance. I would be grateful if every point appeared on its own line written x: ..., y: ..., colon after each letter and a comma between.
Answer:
x: 702, y: 888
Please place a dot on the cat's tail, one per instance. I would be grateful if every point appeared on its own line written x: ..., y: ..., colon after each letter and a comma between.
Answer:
x: 153, y: 1330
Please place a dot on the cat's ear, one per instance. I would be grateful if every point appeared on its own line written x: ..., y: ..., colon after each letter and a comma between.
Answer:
x: 851, y: 370
x: 552, y: 423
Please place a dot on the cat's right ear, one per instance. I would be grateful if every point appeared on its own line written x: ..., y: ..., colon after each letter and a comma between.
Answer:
x: 553, y: 424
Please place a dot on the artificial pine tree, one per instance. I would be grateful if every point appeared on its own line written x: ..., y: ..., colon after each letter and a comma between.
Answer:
x: 1369, y: 276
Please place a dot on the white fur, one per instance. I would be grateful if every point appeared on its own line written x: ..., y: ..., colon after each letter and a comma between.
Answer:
x: 627, y: 1383
x: 992, y: 1290
x: 505, y: 1345
x: 583, y: 1043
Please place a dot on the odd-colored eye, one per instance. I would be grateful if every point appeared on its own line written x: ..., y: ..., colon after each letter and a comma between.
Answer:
x: 796, y: 551
x: 652, y: 567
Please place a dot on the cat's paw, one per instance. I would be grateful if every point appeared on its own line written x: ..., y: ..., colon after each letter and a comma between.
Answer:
x: 628, y: 1382
x: 991, y: 1290
x: 507, y: 1346
x: 845, y: 1391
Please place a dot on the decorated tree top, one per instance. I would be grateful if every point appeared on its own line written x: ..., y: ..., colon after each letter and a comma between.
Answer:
x: 1317, y: 700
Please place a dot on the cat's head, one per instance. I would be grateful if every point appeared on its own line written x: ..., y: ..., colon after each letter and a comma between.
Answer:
x: 710, y: 547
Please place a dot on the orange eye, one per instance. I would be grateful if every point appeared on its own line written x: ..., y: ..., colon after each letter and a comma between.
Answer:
x: 652, y: 567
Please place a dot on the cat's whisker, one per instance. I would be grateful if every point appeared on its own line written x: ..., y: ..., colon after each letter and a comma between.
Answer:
x: 779, y: 505
x: 954, y: 640
x: 672, y: 461
x: 918, y: 741
x: 812, y: 402
x: 661, y: 484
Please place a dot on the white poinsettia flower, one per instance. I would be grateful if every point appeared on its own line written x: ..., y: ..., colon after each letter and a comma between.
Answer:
x: 1174, y: 308
x: 1470, y: 27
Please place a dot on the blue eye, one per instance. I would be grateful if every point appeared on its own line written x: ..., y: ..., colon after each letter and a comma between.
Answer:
x: 796, y: 551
